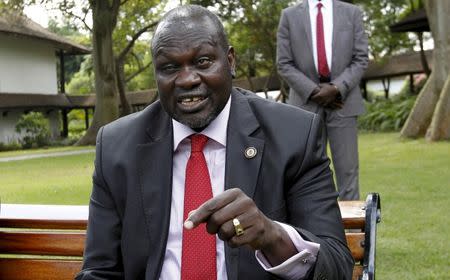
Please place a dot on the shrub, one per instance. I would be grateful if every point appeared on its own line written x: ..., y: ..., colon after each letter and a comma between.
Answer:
x: 12, y: 146
x: 35, y: 128
x: 386, y: 114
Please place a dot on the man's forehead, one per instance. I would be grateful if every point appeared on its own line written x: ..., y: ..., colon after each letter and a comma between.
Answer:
x: 179, y: 45
x: 182, y: 21
x: 180, y: 35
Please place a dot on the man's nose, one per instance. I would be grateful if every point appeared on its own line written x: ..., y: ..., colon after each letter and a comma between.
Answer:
x: 187, y: 78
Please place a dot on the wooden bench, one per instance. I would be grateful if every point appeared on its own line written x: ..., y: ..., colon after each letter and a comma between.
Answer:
x: 45, y: 242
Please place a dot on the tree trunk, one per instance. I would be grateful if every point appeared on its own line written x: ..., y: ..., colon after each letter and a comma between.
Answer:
x: 420, y: 117
x: 104, y: 15
x: 438, y: 19
x: 125, y: 108
x: 423, y: 57
x: 440, y: 125
x: 431, y: 113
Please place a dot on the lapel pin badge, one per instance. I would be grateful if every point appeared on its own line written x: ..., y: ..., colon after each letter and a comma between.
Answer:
x: 250, y: 152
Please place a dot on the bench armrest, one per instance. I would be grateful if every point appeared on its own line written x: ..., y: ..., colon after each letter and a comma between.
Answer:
x: 373, y: 217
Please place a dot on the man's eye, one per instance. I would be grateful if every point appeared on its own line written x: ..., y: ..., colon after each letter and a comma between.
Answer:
x: 204, y: 62
x: 168, y: 68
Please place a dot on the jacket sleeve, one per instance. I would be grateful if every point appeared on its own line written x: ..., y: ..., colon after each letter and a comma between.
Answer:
x: 352, y: 74
x: 314, y: 211
x: 102, y: 255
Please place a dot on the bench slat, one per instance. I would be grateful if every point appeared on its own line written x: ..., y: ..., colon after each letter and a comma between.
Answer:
x: 42, y: 243
x: 355, y: 242
x: 353, y: 214
x: 357, y: 272
x: 42, y: 224
x: 44, y: 216
x: 31, y: 269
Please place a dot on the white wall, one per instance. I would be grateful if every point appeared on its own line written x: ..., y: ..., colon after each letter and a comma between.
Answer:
x: 7, y: 126
x: 27, y: 66
x: 395, y: 86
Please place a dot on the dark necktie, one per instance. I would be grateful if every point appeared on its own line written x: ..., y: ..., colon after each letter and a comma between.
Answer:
x: 322, y: 64
x: 199, y: 247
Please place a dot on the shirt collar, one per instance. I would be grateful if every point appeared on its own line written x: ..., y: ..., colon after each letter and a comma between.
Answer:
x: 326, y: 3
x: 216, y: 130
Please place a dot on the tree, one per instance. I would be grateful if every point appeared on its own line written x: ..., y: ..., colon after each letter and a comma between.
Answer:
x: 72, y: 63
x: 104, y: 15
x: 378, y: 16
x: 108, y: 63
x: 138, y: 16
x: 431, y: 113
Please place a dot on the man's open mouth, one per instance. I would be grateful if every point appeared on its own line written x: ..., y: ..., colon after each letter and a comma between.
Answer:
x: 191, y: 104
x: 189, y: 101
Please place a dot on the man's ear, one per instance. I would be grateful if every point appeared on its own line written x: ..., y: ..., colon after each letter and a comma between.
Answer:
x: 232, y: 61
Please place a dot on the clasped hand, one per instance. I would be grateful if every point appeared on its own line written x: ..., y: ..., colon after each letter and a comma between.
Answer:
x: 260, y: 233
x: 326, y: 95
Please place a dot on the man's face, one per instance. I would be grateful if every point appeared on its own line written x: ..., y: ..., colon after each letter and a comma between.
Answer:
x: 193, y: 72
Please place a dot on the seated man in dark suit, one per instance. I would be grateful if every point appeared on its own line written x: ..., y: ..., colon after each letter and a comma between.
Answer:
x: 211, y: 181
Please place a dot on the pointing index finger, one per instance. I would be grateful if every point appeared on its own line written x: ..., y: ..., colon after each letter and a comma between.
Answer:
x: 209, y: 207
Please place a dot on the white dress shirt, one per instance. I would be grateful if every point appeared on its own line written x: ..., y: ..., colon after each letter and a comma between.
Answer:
x: 327, y: 15
x: 215, y: 151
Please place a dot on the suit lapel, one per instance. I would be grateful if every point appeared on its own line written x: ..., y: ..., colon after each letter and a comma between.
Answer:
x: 242, y: 169
x: 155, y: 178
x: 336, y: 7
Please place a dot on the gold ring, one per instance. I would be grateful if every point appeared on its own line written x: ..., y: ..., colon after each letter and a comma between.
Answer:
x: 238, y: 227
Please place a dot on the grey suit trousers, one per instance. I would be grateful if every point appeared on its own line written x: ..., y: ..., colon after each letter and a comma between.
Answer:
x: 342, y: 136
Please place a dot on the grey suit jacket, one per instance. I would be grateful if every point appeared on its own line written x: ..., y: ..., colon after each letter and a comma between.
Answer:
x: 289, y: 180
x: 295, y: 55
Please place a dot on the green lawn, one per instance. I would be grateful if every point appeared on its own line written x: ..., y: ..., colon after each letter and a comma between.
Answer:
x: 412, y: 176
x: 54, y: 180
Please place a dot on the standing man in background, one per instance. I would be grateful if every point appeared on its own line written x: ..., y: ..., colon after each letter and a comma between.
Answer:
x: 322, y: 54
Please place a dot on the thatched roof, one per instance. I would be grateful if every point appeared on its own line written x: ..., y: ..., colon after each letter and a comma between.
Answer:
x: 30, y: 101
x: 397, y: 65
x: 417, y: 21
x: 21, y: 26
x: 63, y: 101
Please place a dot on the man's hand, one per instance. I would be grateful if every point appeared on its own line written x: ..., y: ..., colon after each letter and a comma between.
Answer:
x: 260, y: 233
x: 327, y: 96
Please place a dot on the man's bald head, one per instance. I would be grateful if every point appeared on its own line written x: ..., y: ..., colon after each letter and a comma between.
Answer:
x: 189, y: 17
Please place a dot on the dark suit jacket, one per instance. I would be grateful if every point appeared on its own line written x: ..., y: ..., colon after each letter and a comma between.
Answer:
x: 289, y: 180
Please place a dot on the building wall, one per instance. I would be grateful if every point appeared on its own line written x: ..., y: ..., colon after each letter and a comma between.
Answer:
x: 27, y: 66
x: 7, y: 126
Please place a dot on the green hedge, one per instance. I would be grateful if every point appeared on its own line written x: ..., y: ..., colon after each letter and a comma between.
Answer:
x: 35, y: 128
x: 385, y: 115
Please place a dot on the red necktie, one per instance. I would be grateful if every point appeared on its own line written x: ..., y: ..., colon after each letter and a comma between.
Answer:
x: 198, y: 259
x: 322, y: 64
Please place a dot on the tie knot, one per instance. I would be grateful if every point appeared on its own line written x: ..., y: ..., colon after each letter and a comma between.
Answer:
x: 319, y: 6
x: 198, y: 142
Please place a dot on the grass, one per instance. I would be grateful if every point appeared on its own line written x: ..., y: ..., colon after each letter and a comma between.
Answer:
x: 412, y: 176
x: 55, y: 180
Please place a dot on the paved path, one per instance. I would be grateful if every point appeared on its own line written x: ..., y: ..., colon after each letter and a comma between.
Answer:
x: 46, y: 155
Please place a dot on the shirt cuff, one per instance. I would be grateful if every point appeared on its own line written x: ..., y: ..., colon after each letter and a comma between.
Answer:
x: 297, y: 266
